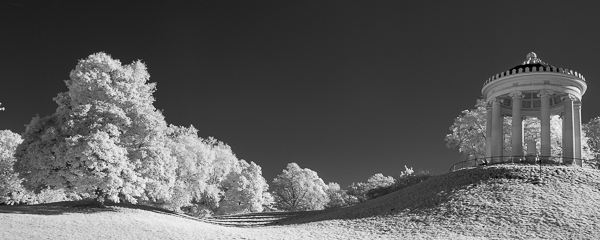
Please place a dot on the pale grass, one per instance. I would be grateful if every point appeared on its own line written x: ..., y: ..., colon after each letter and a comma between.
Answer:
x: 498, y: 202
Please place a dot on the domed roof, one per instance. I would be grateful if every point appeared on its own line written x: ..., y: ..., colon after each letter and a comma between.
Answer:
x: 534, y: 75
x: 533, y: 64
x: 531, y: 61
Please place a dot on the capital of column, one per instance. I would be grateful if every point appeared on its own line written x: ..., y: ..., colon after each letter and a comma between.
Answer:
x: 495, y: 101
x: 545, y: 93
x: 517, y: 94
x: 490, y: 103
x: 569, y: 97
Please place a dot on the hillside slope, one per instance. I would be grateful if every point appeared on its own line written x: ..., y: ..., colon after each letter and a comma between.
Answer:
x: 65, y: 222
x: 501, y: 201
x: 496, y: 202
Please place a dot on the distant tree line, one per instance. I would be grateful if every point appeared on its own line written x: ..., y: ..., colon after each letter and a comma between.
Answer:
x: 107, y: 142
x: 298, y: 189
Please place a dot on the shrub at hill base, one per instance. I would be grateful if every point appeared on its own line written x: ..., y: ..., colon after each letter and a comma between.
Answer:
x: 379, y: 185
x: 407, y: 180
x: 359, y: 191
x: 337, y: 196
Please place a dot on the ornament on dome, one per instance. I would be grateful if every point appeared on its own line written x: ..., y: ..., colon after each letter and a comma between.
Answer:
x: 532, y: 59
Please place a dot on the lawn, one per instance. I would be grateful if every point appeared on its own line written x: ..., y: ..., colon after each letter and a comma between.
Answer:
x: 496, y: 202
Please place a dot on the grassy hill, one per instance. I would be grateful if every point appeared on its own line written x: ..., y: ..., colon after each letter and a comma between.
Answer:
x: 496, y: 202
x: 502, y: 201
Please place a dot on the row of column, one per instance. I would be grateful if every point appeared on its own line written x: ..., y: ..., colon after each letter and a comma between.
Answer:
x: 571, y: 128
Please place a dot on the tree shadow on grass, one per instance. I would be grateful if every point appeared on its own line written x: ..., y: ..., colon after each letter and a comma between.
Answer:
x: 55, y: 208
x: 84, y: 206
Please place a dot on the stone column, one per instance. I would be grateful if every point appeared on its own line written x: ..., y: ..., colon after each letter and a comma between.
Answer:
x: 517, y: 125
x: 577, y: 128
x: 545, y: 122
x: 496, y: 131
x: 568, y: 139
x: 488, y: 131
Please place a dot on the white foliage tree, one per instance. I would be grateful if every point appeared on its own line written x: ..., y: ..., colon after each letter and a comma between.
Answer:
x: 222, y: 163
x: 357, y: 192
x: 360, y: 191
x: 210, y: 178
x: 592, y: 131
x: 468, y: 131
x: 268, y: 202
x: 379, y: 180
x: 298, y: 189
x: 194, y: 158
x: 244, y: 190
x: 337, y: 196
x: 105, y: 139
x: 9, y: 180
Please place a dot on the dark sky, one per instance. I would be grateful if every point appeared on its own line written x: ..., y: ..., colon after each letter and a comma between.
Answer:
x: 345, y: 88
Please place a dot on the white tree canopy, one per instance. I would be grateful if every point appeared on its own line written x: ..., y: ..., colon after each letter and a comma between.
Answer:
x: 9, y: 181
x: 592, y: 132
x: 105, y: 139
x: 244, y: 190
x: 210, y: 178
x: 298, y: 189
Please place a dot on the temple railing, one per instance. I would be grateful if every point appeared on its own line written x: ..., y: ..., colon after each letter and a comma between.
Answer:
x: 545, y: 160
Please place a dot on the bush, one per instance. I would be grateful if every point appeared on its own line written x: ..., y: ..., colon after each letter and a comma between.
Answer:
x: 197, y: 210
x: 54, y: 195
x: 25, y: 197
x: 16, y: 198
x: 409, y: 180
x: 378, y: 192
x: 403, y: 181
